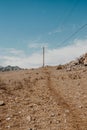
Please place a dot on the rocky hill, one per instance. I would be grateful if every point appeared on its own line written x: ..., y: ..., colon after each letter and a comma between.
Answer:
x: 49, y: 98
x: 80, y: 61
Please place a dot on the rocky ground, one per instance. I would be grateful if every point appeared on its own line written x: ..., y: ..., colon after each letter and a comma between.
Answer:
x: 50, y: 98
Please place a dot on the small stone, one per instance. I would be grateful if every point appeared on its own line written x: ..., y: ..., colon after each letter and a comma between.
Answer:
x: 29, y: 118
x: 68, y: 69
x: 8, y: 118
x: 52, y: 115
x: 8, y: 126
x: 65, y: 121
x: 50, y: 122
x: 30, y: 129
x: 2, y: 103
x: 19, y: 112
x: 80, y: 106
x: 67, y: 111
x: 58, y: 122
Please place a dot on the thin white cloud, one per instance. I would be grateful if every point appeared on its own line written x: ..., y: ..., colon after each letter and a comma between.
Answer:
x: 36, y: 44
x: 58, y: 30
x: 12, y: 51
x: 52, y: 56
x: 16, y: 52
x: 66, y: 54
x: 19, y: 59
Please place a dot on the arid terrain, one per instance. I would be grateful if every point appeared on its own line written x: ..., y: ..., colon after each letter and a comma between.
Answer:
x: 49, y: 98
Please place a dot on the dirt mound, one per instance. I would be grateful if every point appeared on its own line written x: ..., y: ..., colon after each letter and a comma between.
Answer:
x: 44, y: 99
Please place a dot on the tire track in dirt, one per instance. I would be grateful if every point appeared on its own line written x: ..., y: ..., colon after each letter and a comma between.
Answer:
x: 74, y: 115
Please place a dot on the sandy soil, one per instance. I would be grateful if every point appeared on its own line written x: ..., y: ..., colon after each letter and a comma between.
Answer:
x: 44, y: 99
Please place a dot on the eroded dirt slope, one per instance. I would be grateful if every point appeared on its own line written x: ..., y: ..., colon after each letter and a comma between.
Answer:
x: 44, y: 99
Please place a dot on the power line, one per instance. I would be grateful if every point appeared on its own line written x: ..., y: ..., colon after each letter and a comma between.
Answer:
x: 74, y: 33
x: 68, y: 12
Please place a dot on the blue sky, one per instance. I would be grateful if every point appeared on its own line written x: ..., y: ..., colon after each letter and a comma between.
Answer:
x: 27, y: 25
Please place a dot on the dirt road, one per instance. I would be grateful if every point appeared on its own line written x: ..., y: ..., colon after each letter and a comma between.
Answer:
x: 73, y: 119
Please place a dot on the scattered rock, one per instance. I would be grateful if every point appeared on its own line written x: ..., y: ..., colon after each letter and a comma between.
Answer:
x: 8, y: 118
x: 2, y: 103
x: 59, y: 67
x: 80, y: 106
x: 82, y: 61
x: 30, y: 129
x: 29, y: 118
x: 52, y: 115
x: 8, y: 126
x: 19, y: 112
x: 67, y: 111
x: 50, y: 122
x: 74, y: 63
x: 65, y: 121
x: 85, y: 61
x: 68, y: 69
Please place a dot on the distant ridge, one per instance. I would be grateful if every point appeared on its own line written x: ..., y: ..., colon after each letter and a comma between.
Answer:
x: 9, y: 68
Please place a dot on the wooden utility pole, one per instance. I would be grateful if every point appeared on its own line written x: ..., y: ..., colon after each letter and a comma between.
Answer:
x: 43, y: 56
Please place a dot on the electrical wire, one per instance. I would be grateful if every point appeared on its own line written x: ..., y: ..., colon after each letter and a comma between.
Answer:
x: 83, y: 26
x: 70, y: 12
